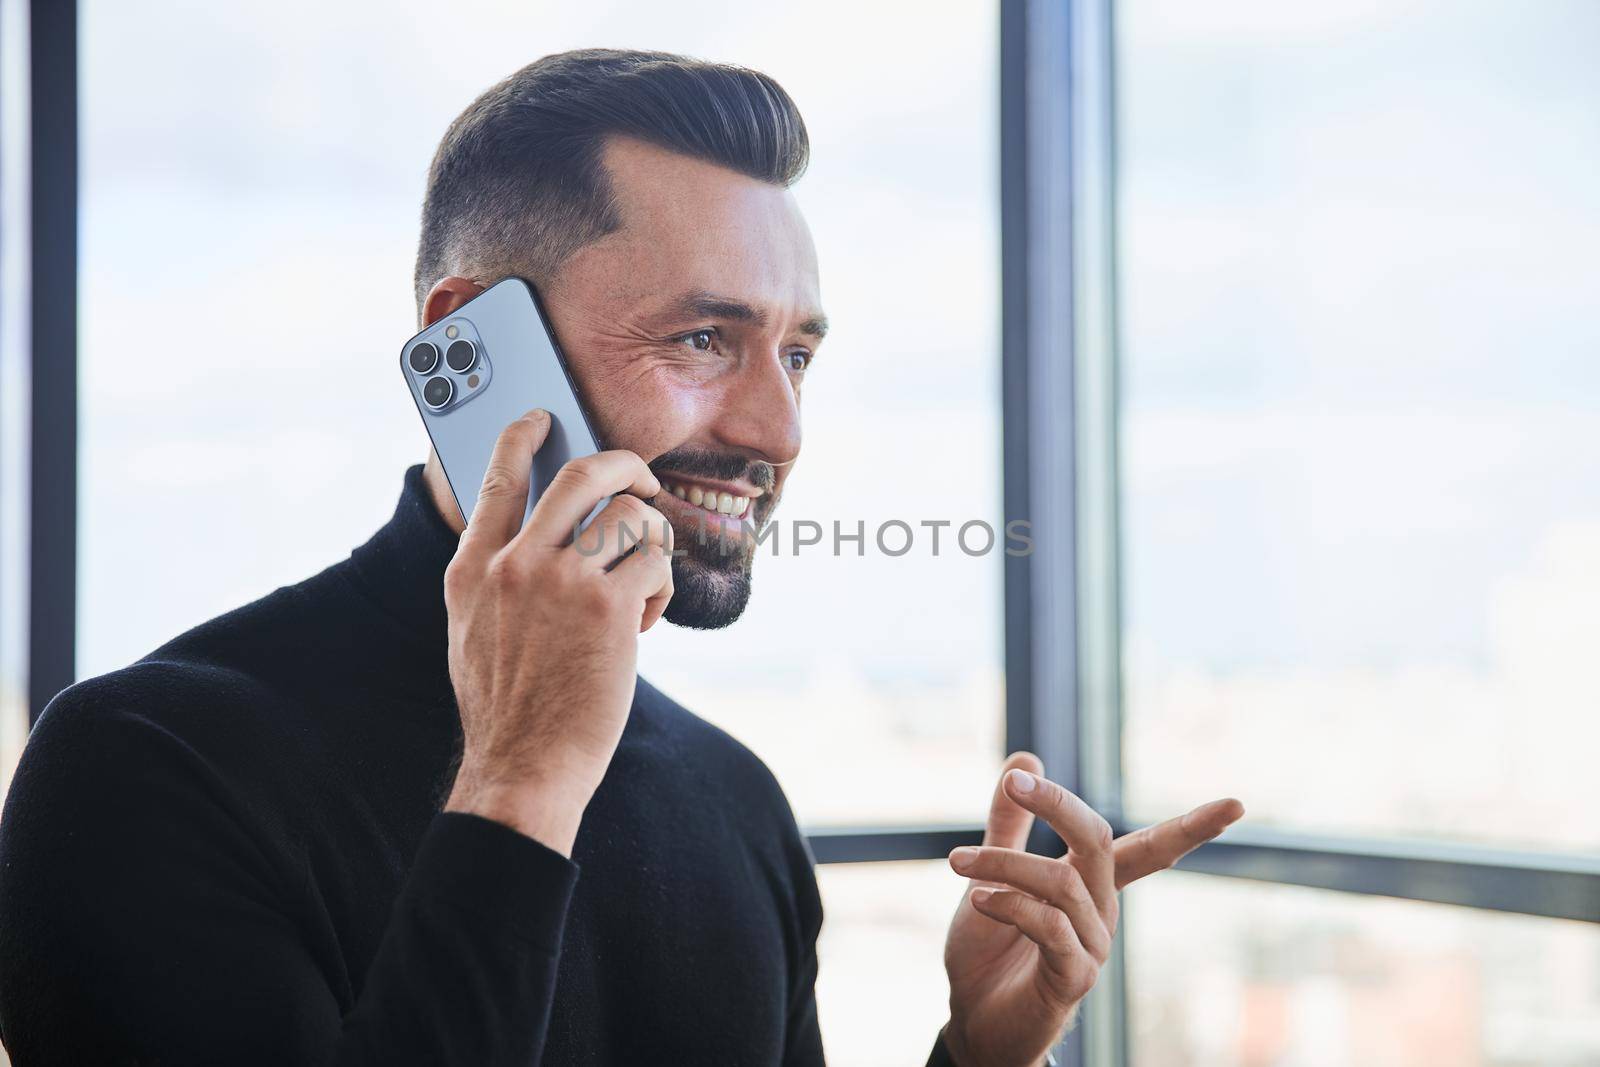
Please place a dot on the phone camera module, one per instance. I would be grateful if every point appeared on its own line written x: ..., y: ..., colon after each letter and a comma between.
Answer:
x: 424, y: 356
x: 461, y: 355
x: 438, y: 391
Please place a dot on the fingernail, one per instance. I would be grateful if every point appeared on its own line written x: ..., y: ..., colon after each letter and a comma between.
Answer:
x: 981, y: 896
x: 1021, y: 781
x: 963, y: 857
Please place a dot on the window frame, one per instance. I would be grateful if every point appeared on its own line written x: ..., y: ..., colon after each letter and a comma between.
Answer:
x: 52, y: 333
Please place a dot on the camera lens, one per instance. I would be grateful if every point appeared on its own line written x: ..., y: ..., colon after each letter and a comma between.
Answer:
x: 438, y: 391
x: 424, y: 356
x: 461, y: 355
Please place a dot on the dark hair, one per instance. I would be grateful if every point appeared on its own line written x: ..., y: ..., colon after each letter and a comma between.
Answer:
x: 517, y: 183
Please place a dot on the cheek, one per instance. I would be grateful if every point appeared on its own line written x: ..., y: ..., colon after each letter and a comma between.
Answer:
x: 653, y: 412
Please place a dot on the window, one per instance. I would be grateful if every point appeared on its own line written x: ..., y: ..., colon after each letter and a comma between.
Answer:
x: 1231, y: 974
x: 883, y: 944
x: 1361, y: 495
x: 1355, y: 521
x: 259, y: 234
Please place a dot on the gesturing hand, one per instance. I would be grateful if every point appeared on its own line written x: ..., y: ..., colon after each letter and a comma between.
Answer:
x: 1028, y: 940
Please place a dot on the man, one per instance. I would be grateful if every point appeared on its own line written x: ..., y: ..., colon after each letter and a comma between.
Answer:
x: 345, y: 823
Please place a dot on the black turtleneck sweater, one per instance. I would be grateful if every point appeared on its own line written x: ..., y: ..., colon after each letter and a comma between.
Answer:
x: 233, y: 851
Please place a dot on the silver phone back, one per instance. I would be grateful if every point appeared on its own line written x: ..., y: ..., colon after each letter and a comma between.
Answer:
x: 518, y: 368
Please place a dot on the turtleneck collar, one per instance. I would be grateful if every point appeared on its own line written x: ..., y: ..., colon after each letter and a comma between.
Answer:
x: 401, y: 567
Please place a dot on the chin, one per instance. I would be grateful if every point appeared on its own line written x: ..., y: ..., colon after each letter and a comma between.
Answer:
x: 708, y: 594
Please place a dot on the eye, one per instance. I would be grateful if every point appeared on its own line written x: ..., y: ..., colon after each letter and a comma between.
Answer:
x: 700, y: 340
x: 797, y: 360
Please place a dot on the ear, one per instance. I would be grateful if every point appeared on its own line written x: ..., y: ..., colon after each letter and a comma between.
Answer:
x: 446, y: 296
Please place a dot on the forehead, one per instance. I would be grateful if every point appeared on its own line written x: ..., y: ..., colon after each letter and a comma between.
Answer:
x: 692, y: 225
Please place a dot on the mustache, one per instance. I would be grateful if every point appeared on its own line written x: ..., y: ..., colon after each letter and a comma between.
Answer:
x: 718, y: 466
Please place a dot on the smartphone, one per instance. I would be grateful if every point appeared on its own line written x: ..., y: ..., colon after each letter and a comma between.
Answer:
x: 474, y: 372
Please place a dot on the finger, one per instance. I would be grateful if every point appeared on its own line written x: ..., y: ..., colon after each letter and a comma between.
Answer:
x: 503, y: 497
x: 1045, y: 926
x: 622, y: 528
x: 1087, y: 834
x: 1155, y: 848
x: 580, y: 485
x: 657, y: 538
x: 647, y: 574
x: 1009, y: 823
x: 655, y: 604
x: 1056, y: 883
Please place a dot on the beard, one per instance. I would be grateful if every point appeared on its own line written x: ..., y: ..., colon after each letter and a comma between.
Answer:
x: 710, y: 587
x: 711, y: 579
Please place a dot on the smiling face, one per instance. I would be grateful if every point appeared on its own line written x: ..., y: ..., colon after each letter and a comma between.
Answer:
x: 689, y: 330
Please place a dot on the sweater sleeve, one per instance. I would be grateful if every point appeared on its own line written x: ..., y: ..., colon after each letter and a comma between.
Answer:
x: 803, y: 1043
x: 142, y: 921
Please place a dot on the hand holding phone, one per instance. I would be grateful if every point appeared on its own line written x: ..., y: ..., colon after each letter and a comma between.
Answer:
x: 543, y: 637
x: 543, y: 627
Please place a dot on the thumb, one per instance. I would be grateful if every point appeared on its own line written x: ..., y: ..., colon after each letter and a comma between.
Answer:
x: 1009, y: 822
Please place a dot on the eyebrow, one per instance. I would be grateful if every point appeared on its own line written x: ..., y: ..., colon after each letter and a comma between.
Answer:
x: 711, y: 306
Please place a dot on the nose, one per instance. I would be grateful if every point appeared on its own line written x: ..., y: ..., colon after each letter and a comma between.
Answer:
x: 759, y: 414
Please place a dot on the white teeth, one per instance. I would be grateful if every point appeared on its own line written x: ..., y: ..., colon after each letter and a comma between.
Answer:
x: 711, y: 500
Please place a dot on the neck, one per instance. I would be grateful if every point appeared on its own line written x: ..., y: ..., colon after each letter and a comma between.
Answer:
x: 444, y: 501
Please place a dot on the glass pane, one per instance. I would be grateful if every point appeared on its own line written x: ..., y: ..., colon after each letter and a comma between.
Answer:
x: 1361, y: 443
x: 261, y: 230
x: 1235, y: 974
x: 881, y: 989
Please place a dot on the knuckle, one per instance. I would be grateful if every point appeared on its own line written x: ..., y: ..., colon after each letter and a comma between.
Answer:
x: 457, y: 578
x: 507, y: 568
x: 1070, y: 882
x: 574, y: 477
x: 1058, y: 930
x: 631, y: 508
x: 498, y: 480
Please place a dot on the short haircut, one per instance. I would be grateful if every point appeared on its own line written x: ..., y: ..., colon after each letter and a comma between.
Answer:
x: 517, y: 184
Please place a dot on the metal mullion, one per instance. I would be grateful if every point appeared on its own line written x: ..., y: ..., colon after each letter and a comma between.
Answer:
x: 1095, y: 422
x: 1038, y: 392
x: 878, y: 844
x: 1548, y: 885
x: 53, y: 336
